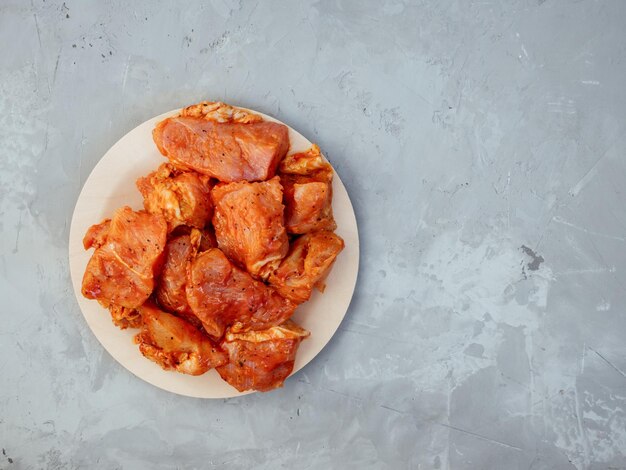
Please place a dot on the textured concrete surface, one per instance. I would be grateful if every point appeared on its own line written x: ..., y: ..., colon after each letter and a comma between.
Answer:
x: 483, y: 144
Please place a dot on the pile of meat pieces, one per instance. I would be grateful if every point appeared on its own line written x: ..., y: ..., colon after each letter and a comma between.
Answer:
x: 234, y: 236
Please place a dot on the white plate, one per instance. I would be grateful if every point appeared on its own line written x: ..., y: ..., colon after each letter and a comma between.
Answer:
x: 111, y: 184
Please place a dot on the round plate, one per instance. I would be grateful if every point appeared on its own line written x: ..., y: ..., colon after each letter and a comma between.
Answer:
x: 111, y: 184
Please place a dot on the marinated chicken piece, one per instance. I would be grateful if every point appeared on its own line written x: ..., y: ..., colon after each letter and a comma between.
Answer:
x: 309, y: 163
x: 309, y: 261
x: 222, y: 295
x: 97, y: 234
x: 170, y: 288
x: 182, y: 197
x: 220, y: 112
x: 307, y: 183
x: 261, y: 360
x: 124, y: 317
x: 248, y: 222
x: 121, y: 271
x: 308, y: 205
x: 175, y: 344
x: 229, y: 151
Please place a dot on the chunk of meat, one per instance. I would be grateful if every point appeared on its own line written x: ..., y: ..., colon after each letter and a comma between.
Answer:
x: 175, y: 344
x: 170, y: 288
x: 261, y: 360
x: 248, y: 222
x: 182, y: 197
x: 308, y: 193
x: 220, y: 112
x: 308, y: 205
x: 121, y: 272
x: 229, y: 151
x: 97, y: 234
x: 124, y: 317
x: 308, y: 163
x: 221, y: 295
x: 309, y: 261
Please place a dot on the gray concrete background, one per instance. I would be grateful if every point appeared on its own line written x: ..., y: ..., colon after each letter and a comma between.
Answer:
x: 483, y: 147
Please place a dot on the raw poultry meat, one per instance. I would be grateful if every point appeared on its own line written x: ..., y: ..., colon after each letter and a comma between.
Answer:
x: 228, y: 151
x: 249, y: 226
x: 307, y: 183
x: 121, y: 271
x: 124, y: 317
x: 308, y: 163
x: 175, y: 344
x: 222, y: 295
x: 96, y: 234
x: 220, y: 112
x: 170, y: 288
x: 309, y: 260
x: 182, y: 197
x: 261, y: 360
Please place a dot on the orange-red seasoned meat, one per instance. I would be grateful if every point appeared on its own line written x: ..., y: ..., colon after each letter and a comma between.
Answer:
x: 261, y: 360
x: 182, y: 197
x: 222, y: 295
x: 248, y: 222
x: 307, y: 183
x: 228, y: 151
x: 175, y: 344
x: 170, y: 288
x: 308, y: 205
x: 309, y: 260
x: 124, y: 317
x: 220, y: 112
x: 308, y: 163
x: 121, y: 271
x: 96, y: 234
